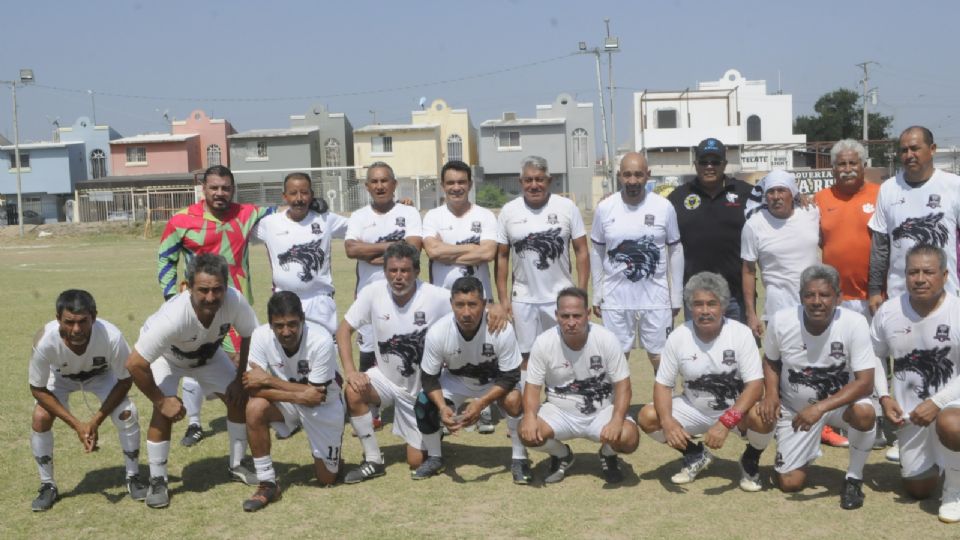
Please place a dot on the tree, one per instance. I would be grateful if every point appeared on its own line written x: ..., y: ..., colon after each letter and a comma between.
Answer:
x: 491, y: 196
x: 840, y: 116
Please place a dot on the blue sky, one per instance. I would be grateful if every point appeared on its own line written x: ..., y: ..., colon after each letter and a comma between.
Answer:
x: 281, y: 57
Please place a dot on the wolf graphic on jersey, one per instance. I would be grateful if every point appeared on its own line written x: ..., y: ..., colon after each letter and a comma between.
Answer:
x: 483, y: 372
x: 825, y: 381
x: 593, y: 390
x: 86, y: 375
x: 641, y: 257
x: 722, y: 386
x: 546, y: 244
x: 408, y: 347
x: 926, y: 230
x: 932, y: 365
x: 201, y: 355
x: 475, y: 239
x: 309, y: 256
x: 396, y: 236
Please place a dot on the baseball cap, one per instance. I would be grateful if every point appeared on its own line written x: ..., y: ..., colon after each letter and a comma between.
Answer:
x: 711, y: 146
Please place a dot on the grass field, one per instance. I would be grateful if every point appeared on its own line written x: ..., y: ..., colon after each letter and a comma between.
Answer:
x: 474, y: 498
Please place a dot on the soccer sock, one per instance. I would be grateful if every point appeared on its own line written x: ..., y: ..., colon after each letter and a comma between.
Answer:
x: 264, y: 467
x: 157, y: 454
x: 607, y: 450
x: 692, y: 449
x: 760, y: 441
x: 238, y: 442
x: 431, y: 443
x: 192, y: 400
x: 516, y: 445
x: 363, y: 426
x: 861, y: 442
x: 42, y: 444
x: 128, y: 431
x: 658, y: 436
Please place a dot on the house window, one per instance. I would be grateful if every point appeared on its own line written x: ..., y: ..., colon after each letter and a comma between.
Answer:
x: 24, y: 160
x: 213, y: 155
x: 331, y: 149
x: 381, y: 145
x: 98, y: 163
x: 580, y: 148
x: 508, y: 140
x: 262, y: 150
x: 136, y: 154
x: 667, y: 118
x: 454, y: 148
x: 753, y: 128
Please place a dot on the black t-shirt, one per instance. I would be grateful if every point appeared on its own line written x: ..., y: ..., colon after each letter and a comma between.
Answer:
x: 710, y: 229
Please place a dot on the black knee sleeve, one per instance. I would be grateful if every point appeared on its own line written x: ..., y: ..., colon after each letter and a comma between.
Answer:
x: 367, y: 360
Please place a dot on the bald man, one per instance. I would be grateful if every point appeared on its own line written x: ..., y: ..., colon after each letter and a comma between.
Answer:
x: 635, y: 238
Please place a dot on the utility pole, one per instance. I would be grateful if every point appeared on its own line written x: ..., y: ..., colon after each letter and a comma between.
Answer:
x: 866, y: 89
x: 613, y: 121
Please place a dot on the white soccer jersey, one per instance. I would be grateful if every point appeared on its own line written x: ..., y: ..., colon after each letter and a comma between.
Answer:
x: 636, y: 239
x: 476, y: 362
x: 928, y: 214
x: 315, y: 362
x: 175, y: 333
x: 580, y: 382
x: 713, y: 373
x: 399, y: 330
x: 782, y: 249
x: 925, y: 350
x: 107, y: 350
x: 815, y: 367
x: 476, y: 225
x: 300, y: 251
x: 367, y: 226
x: 540, y: 240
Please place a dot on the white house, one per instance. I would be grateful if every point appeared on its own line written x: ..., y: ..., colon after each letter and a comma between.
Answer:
x: 756, y: 127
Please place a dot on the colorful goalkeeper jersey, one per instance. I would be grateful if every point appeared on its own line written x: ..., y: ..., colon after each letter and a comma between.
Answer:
x: 194, y: 231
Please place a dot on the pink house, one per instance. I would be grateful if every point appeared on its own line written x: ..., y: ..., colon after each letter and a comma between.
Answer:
x: 213, y: 132
x: 155, y: 153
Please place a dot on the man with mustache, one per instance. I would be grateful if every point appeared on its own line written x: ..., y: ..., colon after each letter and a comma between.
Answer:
x: 298, y: 245
x: 635, y: 239
x: 818, y: 369
x: 214, y: 225
x: 183, y: 338
x: 781, y: 241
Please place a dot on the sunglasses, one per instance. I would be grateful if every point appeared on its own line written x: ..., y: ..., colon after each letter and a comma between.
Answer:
x: 709, y: 163
x: 633, y: 174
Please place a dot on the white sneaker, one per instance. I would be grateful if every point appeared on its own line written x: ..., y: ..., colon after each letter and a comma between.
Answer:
x: 893, y: 453
x: 749, y: 482
x: 689, y: 472
x: 950, y: 506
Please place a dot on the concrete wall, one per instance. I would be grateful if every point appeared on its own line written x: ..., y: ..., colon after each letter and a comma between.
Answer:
x: 289, y: 152
x: 54, y: 169
x: 416, y: 152
x: 546, y: 141
x: 578, y: 116
x: 162, y: 158
x: 331, y: 126
x: 451, y: 122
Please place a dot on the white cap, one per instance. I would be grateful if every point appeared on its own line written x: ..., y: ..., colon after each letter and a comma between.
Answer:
x: 780, y: 178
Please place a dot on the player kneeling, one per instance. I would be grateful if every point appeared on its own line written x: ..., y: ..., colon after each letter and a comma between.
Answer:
x: 465, y: 359
x: 293, y: 383
x: 588, y: 390
x: 722, y: 381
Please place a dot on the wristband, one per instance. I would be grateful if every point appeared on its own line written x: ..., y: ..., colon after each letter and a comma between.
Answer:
x: 731, y: 418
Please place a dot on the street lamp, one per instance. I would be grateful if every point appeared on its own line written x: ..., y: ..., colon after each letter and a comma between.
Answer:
x: 26, y: 77
x: 610, y: 46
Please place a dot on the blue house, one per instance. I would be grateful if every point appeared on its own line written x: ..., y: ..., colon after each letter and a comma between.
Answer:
x: 97, y: 140
x: 49, y: 172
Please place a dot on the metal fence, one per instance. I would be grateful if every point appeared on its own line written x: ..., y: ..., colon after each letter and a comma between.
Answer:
x: 134, y: 204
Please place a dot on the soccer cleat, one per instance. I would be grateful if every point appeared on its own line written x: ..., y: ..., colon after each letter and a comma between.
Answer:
x: 267, y: 492
x: 243, y: 473
x: 950, y: 506
x: 365, y: 471
x: 431, y: 466
x: 46, y: 496
x: 750, y: 482
x: 831, y: 438
x: 522, y: 474
x: 136, y: 488
x: 158, y: 496
x: 851, y: 497
x: 893, y: 453
x: 193, y: 435
x: 610, y: 466
x: 692, y: 467
x: 559, y: 466
x: 486, y: 426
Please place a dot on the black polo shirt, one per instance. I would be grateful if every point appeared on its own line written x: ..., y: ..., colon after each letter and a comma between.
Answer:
x: 710, y: 229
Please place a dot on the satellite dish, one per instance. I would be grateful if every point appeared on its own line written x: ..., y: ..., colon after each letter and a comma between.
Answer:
x: 331, y: 194
x: 423, y: 102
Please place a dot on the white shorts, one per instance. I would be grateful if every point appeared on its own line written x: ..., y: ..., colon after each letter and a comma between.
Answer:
x: 920, y: 448
x: 531, y: 320
x: 321, y: 309
x: 100, y: 385
x: 860, y: 306
x: 456, y: 391
x: 213, y: 377
x: 566, y: 425
x: 365, y: 340
x: 693, y: 420
x: 323, y: 425
x: 797, y: 449
x: 404, y: 419
x: 652, y: 325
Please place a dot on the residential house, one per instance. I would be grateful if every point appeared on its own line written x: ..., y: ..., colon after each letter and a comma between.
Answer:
x: 49, y: 172
x: 213, y: 136
x: 334, y: 135
x: 458, y: 136
x: 155, y: 153
x: 96, y: 140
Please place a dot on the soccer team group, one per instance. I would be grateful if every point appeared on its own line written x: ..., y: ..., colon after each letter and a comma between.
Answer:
x: 441, y: 353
